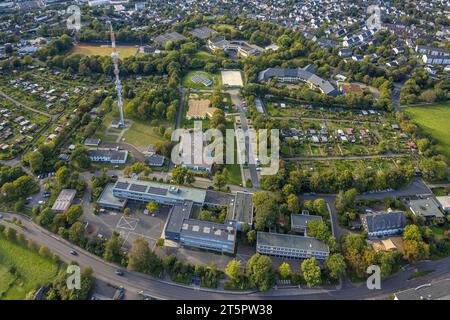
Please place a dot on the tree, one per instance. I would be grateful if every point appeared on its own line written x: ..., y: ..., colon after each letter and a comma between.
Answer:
x: 36, y: 161
x: 261, y: 272
x: 414, y: 251
x: 412, y: 232
x: 336, y: 265
x: 152, y: 206
x: 73, y: 214
x: 251, y: 237
x: 113, y: 248
x: 320, y: 207
x: 76, y: 233
x: 233, y: 269
x: 311, y: 272
x: 10, y: 234
x: 127, y: 212
x: 318, y: 229
x: 285, y: 270
x: 345, y: 201
x: 219, y: 180
x: 141, y: 259
x: 292, y: 203
x: 178, y: 174
x: 217, y: 118
x: 44, y: 252
x: 433, y: 169
x: 265, y: 210
x: 46, y: 217
x: 80, y: 158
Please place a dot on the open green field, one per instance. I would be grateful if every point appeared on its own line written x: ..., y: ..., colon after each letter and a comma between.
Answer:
x: 433, y: 120
x: 188, y: 83
x: 142, y: 134
x: 22, y: 270
x: 88, y: 50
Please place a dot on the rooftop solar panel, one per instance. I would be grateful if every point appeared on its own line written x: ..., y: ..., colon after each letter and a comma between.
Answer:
x: 138, y: 187
x: 122, y: 185
x: 158, y: 191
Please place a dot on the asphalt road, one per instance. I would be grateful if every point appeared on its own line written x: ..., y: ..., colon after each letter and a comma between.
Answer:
x: 236, y: 100
x: 135, y: 282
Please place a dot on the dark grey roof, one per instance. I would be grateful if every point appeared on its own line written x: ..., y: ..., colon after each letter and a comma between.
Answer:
x: 439, y: 290
x: 301, y: 220
x: 177, y: 215
x: 302, y: 73
x: 92, y: 141
x: 382, y: 221
x: 155, y: 160
x: 241, y: 209
x: 203, y: 32
x: 210, y: 230
x: 290, y: 241
x: 111, y: 154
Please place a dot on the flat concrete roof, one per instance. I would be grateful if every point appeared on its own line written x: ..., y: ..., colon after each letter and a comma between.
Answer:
x: 425, y: 208
x: 444, y: 201
x: 64, y: 199
x: 241, y: 209
x: 301, y: 220
x: 107, y: 198
x: 210, y: 230
x: 177, y: 215
x: 290, y: 241
x: 161, y: 190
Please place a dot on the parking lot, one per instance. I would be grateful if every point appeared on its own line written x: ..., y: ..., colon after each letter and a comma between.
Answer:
x: 134, y: 226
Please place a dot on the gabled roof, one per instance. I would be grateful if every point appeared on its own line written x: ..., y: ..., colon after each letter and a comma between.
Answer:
x: 382, y: 221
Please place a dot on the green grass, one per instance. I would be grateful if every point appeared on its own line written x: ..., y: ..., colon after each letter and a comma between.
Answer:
x: 418, y: 274
x: 141, y: 134
x: 32, y: 270
x: 87, y: 50
x: 433, y: 120
x: 188, y: 83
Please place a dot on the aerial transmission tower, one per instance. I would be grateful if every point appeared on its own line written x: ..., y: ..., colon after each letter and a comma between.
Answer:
x: 115, y: 59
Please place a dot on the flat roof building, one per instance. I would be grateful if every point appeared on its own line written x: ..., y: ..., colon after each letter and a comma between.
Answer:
x: 299, y: 222
x: 107, y: 199
x: 180, y: 226
x: 444, y: 202
x: 209, y: 235
x: 107, y: 155
x: 290, y: 246
x: 64, y: 200
x: 160, y: 192
x: 426, y: 208
x: 241, y: 209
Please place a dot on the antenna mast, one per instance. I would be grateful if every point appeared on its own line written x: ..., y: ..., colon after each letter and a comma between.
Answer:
x: 115, y: 59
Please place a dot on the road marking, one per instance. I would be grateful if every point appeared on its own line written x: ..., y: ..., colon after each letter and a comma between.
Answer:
x: 127, y: 223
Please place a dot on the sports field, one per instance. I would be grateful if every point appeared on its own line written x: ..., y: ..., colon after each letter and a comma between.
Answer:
x: 89, y: 50
x: 433, y: 119
x: 22, y: 270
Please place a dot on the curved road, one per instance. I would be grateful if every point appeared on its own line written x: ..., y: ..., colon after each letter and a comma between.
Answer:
x: 135, y: 282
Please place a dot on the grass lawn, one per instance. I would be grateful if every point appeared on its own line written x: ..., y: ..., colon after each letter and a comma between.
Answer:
x: 433, y: 120
x: 141, y: 134
x: 188, y: 83
x: 31, y: 270
x: 87, y: 50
